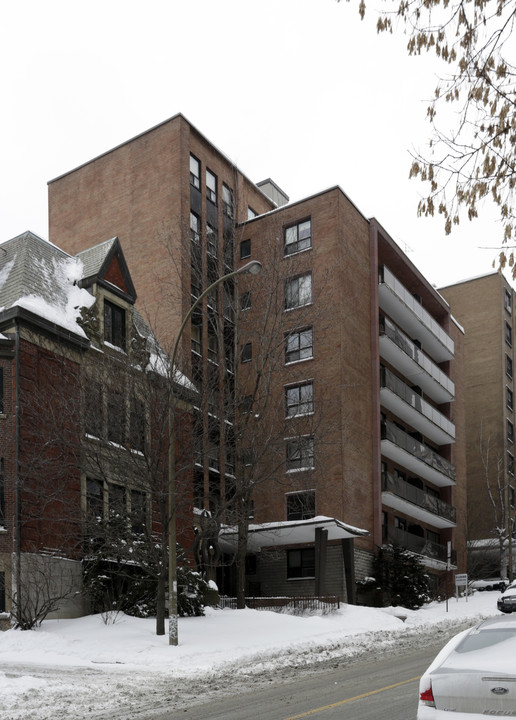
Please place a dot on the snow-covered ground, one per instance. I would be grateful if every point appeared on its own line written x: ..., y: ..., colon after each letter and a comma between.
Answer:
x: 85, y: 668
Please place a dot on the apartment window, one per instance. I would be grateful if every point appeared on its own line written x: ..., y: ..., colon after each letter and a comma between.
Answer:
x: 116, y: 417
x: 195, y: 227
x: 433, y: 537
x: 510, y: 398
x: 1, y: 391
x: 301, y: 563
x: 94, y: 499
x: 246, y: 352
x: 298, y: 291
x: 138, y: 511
x: 227, y: 201
x: 114, y: 324
x: 137, y: 424
x: 508, y: 302
x: 93, y: 409
x: 247, y: 457
x: 212, y: 240
x: 510, y: 431
x: 195, y: 172
x: 508, y: 366
x: 211, y: 186
x: 400, y: 523
x: 300, y: 453
x: 510, y: 463
x: 245, y: 249
x: 508, y: 334
x: 298, y: 237
x: 301, y: 505
x: 251, y: 213
x: 2, y: 494
x: 299, y: 399
x: 245, y: 300
x: 299, y: 345
x: 213, y: 348
x: 196, y: 339
x: 117, y: 500
x: 246, y: 403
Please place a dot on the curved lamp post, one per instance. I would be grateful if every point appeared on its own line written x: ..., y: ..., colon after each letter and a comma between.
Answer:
x: 252, y: 268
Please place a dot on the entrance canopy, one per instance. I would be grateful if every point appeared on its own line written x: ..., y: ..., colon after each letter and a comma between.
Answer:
x: 290, y: 532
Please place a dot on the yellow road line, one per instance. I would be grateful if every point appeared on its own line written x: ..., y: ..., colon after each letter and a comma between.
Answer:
x: 357, y: 697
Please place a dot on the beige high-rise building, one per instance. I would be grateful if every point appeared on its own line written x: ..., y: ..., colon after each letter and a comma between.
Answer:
x: 485, y: 307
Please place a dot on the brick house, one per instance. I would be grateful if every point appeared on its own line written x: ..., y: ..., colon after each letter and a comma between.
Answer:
x: 364, y: 443
x: 80, y: 417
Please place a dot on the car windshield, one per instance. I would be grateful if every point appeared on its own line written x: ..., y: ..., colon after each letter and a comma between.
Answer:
x: 479, y: 639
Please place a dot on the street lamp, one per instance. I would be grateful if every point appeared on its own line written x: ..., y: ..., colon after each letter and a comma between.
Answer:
x: 253, y: 268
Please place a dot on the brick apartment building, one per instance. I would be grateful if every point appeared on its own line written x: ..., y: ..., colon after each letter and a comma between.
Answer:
x: 78, y: 419
x: 360, y: 441
x: 485, y: 307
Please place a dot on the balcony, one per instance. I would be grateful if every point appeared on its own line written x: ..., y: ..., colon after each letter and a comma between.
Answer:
x: 433, y: 553
x: 400, y: 495
x: 407, y: 311
x: 399, y: 398
x: 415, y: 456
x: 398, y: 350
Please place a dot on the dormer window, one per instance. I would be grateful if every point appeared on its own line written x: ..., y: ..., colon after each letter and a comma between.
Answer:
x: 114, y: 324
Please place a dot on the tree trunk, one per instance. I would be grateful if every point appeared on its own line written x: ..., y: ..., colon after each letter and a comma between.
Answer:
x: 243, y: 528
x: 160, y: 605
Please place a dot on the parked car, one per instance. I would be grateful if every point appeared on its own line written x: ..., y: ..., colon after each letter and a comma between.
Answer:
x: 474, y: 674
x: 507, y: 602
x: 489, y: 584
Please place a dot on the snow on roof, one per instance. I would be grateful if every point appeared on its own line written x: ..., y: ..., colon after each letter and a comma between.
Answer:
x: 41, y: 278
x: 290, y: 532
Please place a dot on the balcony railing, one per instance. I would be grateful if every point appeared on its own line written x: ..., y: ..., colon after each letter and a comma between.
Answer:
x: 414, y: 363
x: 401, y: 304
x: 433, y: 424
x: 438, y: 466
x: 416, y: 496
x: 417, y: 544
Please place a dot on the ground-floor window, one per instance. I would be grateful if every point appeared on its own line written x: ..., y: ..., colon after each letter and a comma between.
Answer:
x: 301, y: 563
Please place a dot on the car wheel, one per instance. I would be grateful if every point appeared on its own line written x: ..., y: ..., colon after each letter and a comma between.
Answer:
x: 489, y: 587
x: 480, y: 589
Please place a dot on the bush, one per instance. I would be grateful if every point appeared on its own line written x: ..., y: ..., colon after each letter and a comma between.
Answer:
x: 400, y: 579
x: 192, y: 590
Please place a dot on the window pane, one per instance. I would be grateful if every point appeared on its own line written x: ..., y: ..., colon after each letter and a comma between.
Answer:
x: 211, y: 186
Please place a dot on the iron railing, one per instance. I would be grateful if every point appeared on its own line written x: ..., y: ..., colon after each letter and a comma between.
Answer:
x: 417, y: 449
x: 416, y: 496
x: 291, y: 605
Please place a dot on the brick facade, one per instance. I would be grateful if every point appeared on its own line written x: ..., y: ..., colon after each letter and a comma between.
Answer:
x: 142, y: 192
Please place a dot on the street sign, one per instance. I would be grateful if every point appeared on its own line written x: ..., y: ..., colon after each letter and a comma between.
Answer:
x: 461, y: 579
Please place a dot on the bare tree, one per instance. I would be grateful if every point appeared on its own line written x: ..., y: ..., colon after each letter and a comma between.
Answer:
x: 475, y: 157
x: 263, y: 440
x: 500, y: 522
x: 125, y: 457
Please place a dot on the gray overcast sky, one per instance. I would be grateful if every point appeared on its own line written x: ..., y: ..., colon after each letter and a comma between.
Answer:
x: 300, y: 91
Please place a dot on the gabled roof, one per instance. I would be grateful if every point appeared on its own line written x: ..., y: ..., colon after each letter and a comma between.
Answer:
x: 105, y: 264
x: 40, y: 280
x: 22, y: 263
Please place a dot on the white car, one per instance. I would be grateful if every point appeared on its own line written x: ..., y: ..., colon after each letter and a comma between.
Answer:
x: 473, y: 676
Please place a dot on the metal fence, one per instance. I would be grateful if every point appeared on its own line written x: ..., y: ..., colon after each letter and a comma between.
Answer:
x: 298, y: 605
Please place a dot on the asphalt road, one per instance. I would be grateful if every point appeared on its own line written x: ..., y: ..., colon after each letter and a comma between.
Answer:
x: 352, y: 690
